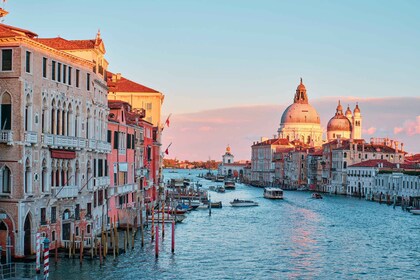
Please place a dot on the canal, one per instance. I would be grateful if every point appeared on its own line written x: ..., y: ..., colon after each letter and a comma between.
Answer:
x: 297, y: 238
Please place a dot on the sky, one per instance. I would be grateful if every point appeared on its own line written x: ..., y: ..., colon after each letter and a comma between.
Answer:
x: 225, y: 56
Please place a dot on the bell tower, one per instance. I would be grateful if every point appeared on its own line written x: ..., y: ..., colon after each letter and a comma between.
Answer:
x: 357, y: 123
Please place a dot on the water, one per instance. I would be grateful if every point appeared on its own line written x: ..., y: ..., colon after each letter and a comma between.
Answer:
x: 297, y: 238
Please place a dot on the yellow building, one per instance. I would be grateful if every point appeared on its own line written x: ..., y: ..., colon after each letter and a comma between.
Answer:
x: 139, y: 96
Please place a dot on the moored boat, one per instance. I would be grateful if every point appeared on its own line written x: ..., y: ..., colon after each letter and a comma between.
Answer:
x: 216, y: 204
x: 158, y: 218
x: 220, y: 189
x: 415, y: 211
x: 243, y: 203
x: 273, y: 193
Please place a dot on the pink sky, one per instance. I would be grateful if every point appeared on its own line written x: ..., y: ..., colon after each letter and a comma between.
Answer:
x: 205, y: 134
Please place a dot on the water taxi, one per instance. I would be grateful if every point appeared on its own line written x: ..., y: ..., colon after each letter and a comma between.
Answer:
x: 243, y: 203
x: 415, y: 211
x: 273, y: 193
x: 229, y: 185
x: 316, y: 196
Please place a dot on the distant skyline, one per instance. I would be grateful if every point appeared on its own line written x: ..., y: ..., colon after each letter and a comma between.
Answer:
x: 215, y: 55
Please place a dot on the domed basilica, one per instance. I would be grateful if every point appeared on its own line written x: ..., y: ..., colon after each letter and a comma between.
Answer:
x: 346, y: 126
x: 300, y: 121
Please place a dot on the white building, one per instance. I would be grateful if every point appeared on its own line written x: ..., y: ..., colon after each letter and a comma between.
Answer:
x: 230, y: 168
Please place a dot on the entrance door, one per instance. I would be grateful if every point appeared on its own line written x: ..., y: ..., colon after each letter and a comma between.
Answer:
x: 3, y: 238
x: 66, y: 231
x: 27, y: 238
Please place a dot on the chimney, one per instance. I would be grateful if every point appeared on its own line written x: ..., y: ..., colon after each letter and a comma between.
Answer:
x: 118, y: 76
x: 402, y: 147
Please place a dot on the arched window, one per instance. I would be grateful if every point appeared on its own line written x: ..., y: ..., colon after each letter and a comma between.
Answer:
x: 43, y: 115
x: 53, y: 116
x: 88, y: 124
x: 28, y: 177
x: 5, y: 180
x: 28, y: 113
x: 5, y: 112
x: 76, y: 122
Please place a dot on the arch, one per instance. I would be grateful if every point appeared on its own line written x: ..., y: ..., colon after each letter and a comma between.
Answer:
x: 28, y: 176
x: 5, y: 111
x: 76, y: 122
x: 66, y: 225
x: 27, y: 228
x: 6, y: 182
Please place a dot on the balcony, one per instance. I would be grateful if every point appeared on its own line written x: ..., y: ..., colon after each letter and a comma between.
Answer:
x: 31, y: 137
x: 103, y: 146
x: 6, y: 136
x: 102, y: 181
x: 65, y: 192
x: 118, y: 190
x: 92, y: 144
x: 63, y: 141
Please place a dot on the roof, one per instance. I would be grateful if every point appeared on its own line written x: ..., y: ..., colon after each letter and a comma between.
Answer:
x: 125, y: 85
x: 274, y: 141
x: 385, y: 164
x: 11, y: 31
x: 412, y: 159
x: 64, y: 44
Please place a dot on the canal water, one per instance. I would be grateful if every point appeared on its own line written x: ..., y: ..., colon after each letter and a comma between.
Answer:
x: 296, y: 238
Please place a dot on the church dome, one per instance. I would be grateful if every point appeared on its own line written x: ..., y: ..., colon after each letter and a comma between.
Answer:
x: 300, y: 111
x: 339, y: 122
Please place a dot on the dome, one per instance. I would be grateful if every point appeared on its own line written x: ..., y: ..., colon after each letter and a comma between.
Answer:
x: 339, y: 123
x: 348, y: 111
x: 356, y: 110
x: 300, y: 113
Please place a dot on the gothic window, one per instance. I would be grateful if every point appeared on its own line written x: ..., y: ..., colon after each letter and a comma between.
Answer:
x: 5, y: 112
x: 28, y: 175
x: 5, y: 180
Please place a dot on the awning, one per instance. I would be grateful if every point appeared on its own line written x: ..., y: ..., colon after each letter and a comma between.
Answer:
x: 63, y: 154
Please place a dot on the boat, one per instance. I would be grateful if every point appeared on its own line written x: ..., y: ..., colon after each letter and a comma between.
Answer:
x: 316, y: 196
x: 158, y: 218
x: 273, y: 193
x: 176, y: 210
x: 220, y: 189
x: 243, y: 203
x: 229, y: 185
x: 220, y: 178
x: 212, y: 188
x: 216, y: 204
x: 415, y: 211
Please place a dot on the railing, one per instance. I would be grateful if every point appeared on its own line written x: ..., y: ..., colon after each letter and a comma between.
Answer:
x: 117, y: 190
x: 65, y: 191
x: 141, y: 172
x: 63, y: 141
x: 92, y: 144
x: 103, y: 146
x: 6, y: 136
x: 18, y: 271
x: 102, y: 181
x: 31, y: 137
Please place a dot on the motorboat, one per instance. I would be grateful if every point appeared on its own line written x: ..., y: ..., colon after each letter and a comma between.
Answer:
x: 166, y: 218
x: 316, y: 196
x: 415, y: 211
x: 229, y: 185
x: 243, y: 203
x: 220, y: 189
x: 216, y: 204
x: 273, y: 193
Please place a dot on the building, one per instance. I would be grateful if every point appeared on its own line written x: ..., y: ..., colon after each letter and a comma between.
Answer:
x: 229, y: 168
x: 53, y: 138
x: 300, y: 121
x: 346, y: 126
x: 381, y: 180
x: 137, y: 95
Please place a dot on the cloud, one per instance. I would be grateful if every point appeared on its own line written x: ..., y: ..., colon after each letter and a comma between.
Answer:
x: 410, y: 127
x: 369, y: 131
x: 205, y: 134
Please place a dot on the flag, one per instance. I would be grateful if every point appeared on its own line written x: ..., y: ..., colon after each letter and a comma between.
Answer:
x: 167, y: 149
x: 167, y: 120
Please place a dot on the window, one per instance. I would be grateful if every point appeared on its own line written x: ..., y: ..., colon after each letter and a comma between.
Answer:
x: 5, y: 112
x: 149, y: 106
x: 5, y: 180
x: 109, y: 136
x: 64, y: 73
x: 59, y: 72
x: 6, y: 60
x: 53, y: 70
x: 115, y: 139
x: 87, y: 81
x: 89, y: 209
x: 77, y: 77
x: 28, y: 62
x: 77, y: 212
x: 43, y: 216
x: 44, y: 67
x: 69, y: 77
x: 53, y: 214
